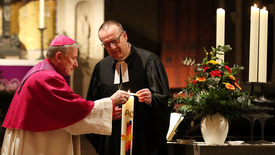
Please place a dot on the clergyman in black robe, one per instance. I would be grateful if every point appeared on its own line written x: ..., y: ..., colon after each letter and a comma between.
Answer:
x: 151, y: 121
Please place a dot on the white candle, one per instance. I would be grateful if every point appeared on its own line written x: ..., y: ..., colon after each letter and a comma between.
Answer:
x: 133, y: 94
x: 263, y: 45
x: 127, y: 126
x: 41, y: 13
x: 253, y: 54
x: 220, y: 30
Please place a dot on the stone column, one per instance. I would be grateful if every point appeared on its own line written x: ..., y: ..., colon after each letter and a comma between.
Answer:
x: 6, y: 18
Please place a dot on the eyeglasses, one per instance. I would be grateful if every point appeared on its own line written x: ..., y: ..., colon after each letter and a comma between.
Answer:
x: 114, y: 42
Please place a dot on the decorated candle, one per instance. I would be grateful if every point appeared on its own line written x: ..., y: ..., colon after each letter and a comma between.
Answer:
x: 253, y: 48
x: 220, y: 30
x: 263, y: 45
x: 41, y: 13
x: 127, y: 121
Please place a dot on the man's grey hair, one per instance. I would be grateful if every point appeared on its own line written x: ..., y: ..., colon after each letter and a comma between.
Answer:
x: 64, y: 49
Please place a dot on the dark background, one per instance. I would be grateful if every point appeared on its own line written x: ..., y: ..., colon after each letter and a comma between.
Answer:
x: 174, y: 29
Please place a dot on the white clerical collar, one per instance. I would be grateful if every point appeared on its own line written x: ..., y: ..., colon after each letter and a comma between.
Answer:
x: 122, y: 68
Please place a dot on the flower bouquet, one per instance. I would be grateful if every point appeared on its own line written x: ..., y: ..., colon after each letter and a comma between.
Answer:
x: 213, y: 88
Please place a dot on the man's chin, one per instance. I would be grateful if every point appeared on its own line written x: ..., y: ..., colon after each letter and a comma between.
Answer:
x: 116, y: 57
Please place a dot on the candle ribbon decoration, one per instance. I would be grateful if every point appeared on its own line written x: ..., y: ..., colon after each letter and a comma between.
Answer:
x: 127, y: 125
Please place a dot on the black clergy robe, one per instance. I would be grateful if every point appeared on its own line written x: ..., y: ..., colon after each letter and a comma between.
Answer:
x: 151, y: 122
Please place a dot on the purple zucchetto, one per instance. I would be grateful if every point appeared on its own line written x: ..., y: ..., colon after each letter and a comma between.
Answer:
x: 62, y: 40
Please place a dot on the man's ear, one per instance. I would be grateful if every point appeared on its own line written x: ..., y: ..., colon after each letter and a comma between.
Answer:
x: 58, y: 56
x: 125, y: 35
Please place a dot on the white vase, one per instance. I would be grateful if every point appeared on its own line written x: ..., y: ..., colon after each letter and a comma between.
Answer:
x: 214, y: 129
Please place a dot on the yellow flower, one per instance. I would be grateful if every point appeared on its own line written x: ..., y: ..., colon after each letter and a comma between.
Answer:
x: 202, y: 79
x: 213, y: 62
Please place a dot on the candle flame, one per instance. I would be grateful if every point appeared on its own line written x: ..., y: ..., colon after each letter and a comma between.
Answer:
x: 264, y: 8
x: 255, y: 5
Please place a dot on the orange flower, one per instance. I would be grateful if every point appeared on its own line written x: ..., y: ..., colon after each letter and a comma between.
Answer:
x: 236, y: 84
x: 202, y: 79
x: 229, y: 86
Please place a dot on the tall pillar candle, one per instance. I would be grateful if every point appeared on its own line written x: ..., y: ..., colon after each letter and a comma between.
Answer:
x: 220, y: 30
x: 41, y: 13
x: 263, y: 45
x: 253, y: 47
x: 127, y: 125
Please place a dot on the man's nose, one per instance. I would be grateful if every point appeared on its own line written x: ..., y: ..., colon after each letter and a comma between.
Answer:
x: 112, y: 46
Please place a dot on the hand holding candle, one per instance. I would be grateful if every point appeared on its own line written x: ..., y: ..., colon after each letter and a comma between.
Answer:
x: 118, y: 113
x: 144, y: 95
x: 120, y: 97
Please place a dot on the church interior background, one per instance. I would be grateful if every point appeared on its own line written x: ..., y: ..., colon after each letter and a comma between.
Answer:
x: 172, y: 29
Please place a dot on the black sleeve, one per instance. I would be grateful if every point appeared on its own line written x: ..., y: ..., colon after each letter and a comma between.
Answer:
x: 93, y: 86
x: 159, y: 86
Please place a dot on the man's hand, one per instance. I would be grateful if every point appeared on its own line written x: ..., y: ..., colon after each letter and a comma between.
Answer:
x: 120, y: 97
x: 118, y: 113
x: 144, y: 95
